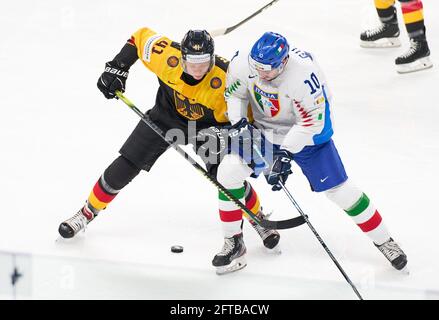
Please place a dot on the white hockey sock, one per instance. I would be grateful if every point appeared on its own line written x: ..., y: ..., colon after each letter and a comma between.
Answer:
x: 358, y: 206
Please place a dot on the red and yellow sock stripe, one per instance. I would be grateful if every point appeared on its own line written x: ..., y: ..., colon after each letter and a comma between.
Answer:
x: 100, y: 197
x: 412, y: 11
x: 413, y: 14
x: 252, y: 201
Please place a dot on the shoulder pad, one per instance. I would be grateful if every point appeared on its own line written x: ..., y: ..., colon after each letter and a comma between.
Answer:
x: 175, y: 45
x: 222, y: 63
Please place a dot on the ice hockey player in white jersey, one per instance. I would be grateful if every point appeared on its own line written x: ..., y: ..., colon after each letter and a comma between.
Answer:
x: 291, y: 106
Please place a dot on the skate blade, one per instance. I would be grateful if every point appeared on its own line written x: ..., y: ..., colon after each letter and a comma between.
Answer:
x: 235, y: 265
x: 276, y: 250
x: 61, y: 239
x: 381, y: 43
x: 405, y: 271
x: 418, y: 65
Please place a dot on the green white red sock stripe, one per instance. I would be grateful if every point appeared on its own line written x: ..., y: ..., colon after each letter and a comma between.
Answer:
x: 361, y: 211
x: 368, y: 219
x: 228, y: 210
x: 230, y: 213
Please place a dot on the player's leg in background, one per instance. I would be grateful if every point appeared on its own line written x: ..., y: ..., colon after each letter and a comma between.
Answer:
x: 417, y: 57
x: 269, y: 237
x: 386, y: 34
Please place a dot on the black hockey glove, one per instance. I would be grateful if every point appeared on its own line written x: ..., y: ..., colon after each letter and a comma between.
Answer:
x: 210, y: 142
x: 113, y: 79
x: 280, y: 170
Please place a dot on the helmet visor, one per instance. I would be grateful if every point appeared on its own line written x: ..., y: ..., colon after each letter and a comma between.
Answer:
x: 197, y: 58
x: 256, y: 65
x: 197, y: 64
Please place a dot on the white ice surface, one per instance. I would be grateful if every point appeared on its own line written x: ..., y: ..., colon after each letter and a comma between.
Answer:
x: 58, y: 133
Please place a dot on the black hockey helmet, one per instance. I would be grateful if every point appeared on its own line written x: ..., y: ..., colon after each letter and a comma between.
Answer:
x: 197, y: 46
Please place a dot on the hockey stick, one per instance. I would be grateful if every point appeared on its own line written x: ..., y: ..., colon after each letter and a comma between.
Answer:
x: 305, y: 217
x: 223, y: 31
x: 281, y: 224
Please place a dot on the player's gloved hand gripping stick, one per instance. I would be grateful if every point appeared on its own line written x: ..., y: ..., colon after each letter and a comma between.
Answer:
x: 268, y: 224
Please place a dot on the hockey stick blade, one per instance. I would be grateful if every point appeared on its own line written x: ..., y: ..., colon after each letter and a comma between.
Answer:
x: 283, y: 224
x: 224, y: 31
x: 218, y: 32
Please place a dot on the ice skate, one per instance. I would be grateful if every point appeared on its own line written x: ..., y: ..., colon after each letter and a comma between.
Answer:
x: 232, y: 256
x: 391, y: 250
x: 384, y: 36
x: 69, y: 228
x: 416, y: 58
x: 269, y: 237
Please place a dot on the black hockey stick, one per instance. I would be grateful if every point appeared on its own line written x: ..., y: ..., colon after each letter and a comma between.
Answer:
x: 305, y: 217
x: 281, y: 224
x: 221, y: 32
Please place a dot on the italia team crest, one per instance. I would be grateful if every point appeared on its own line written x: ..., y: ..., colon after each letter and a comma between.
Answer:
x: 268, y: 102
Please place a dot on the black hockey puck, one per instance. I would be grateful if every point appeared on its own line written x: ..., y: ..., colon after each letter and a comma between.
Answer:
x: 177, y: 249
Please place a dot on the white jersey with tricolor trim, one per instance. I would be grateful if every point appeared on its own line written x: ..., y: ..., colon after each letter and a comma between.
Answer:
x: 293, y: 109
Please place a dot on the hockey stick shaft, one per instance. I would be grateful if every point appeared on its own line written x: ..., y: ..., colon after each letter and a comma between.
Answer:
x: 223, y: 31
x: 305, y: 217
x: 284, y: 224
